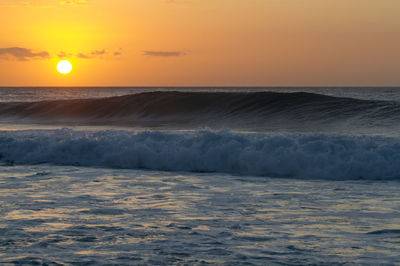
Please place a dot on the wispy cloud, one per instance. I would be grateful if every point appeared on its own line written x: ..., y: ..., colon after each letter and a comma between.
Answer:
x: 25, y: 3
x: 22, y: 54
x: 164, y: 53
x: 118, y: 52
x: 83, y: 56
x: 63, y: 54
x: 177, y: 1
x: 98, y: 52
x: 44, y: 3
x: 92, y: 54
x: 103, y: 53
x: 25, y: 54
x: 74, y: 2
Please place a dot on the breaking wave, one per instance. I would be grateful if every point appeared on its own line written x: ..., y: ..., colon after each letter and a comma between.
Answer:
x: 302, y: 112
x: 317, y: 156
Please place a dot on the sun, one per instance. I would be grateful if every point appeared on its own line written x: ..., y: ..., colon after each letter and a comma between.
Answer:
x: 64, y: 67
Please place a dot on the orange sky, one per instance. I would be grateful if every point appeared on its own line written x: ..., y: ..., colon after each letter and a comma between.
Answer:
x: 200, y: 42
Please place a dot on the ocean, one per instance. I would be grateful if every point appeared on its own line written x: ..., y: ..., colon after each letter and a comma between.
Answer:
x: 199, y: 176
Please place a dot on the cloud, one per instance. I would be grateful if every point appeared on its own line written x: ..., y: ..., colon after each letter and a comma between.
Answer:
x: 22, y: 54
x: 118, y: 53
x: 44, y: 3
x: 164, y: 53
x: 63, y: 54
x: 27, y: 3
x: 97, y: 52
x: 74, y: 2
x: 176, y: 1
x: 92, y: 54
x: 83, y: 56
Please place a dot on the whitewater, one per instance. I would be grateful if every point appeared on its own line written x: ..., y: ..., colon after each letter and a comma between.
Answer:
x: 291, y: 156
x: 220, y: 176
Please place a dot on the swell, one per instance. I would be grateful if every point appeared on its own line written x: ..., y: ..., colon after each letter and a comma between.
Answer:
x: 217, y: 109
x: 318, y: 156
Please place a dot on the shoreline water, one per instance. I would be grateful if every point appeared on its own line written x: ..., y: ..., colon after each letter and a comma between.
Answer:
x: 114, y: 216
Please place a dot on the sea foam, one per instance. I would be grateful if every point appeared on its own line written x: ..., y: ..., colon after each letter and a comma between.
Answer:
x: 319, y: 156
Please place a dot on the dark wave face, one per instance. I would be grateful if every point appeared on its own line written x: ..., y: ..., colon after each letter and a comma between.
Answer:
x: 271, y: 111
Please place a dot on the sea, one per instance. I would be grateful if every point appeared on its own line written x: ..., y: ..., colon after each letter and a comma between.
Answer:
x: 199, y: 176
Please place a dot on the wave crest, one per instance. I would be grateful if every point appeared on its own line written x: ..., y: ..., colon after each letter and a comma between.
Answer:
x: 319, y: 156
x: 300, y: 112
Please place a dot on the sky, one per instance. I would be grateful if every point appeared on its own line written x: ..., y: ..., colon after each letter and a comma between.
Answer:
x: 200, y: 42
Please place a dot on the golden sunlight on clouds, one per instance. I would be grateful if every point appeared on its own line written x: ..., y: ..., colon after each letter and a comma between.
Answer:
x: 208, y: 42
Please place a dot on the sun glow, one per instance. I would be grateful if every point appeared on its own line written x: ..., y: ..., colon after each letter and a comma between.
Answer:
x: 64, y: 67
